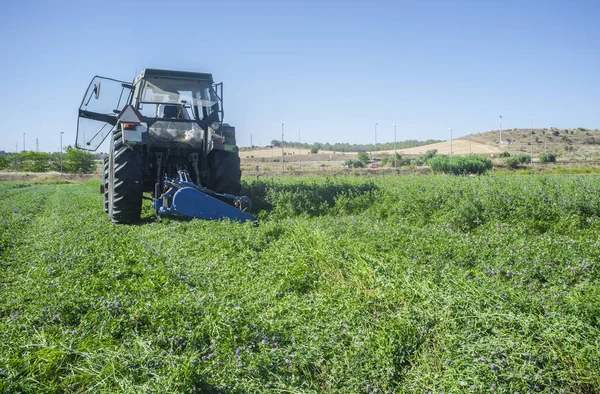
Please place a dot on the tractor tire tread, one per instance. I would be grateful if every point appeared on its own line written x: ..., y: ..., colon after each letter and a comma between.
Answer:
x: 127, y: 183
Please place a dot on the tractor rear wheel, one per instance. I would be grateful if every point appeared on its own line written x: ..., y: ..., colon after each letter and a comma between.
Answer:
x: 104, y: 186
x: 125, y: 183
x: 225, y: 172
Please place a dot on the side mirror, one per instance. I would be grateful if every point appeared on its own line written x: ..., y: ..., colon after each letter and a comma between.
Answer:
x: 97, y: 90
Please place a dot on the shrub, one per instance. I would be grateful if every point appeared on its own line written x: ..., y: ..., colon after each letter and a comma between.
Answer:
x: 424, y: 158
x: 504, y: 154
x: 513, y: 162
x: 460, y: 165
x: 389, y: 161
x: 314, y: 150
x: 77, y: 161
x: 34, y: 161
x: 4, y: 162
x: 524, y: 158
x: 362, y: 156
x: 516, y: 161
x: 548, y: 157
x: 353, y: 163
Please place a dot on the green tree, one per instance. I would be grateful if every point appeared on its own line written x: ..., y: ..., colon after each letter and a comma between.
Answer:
x: 77, y: 161
x: 34, y: 161
x: 362, y: 156
x: 4, y: 162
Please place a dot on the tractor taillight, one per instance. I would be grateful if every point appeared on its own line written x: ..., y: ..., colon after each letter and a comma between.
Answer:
x: 130, y: 126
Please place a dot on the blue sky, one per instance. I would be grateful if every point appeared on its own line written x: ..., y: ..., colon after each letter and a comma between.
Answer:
x: 330, y: 68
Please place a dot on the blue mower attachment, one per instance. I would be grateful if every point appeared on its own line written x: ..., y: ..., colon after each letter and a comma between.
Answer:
x: 183, y: 197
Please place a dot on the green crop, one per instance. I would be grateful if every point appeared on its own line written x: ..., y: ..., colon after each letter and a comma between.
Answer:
x: 344, y: 284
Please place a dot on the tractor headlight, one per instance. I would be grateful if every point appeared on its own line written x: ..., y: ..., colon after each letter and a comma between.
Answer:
x: 215, y: 126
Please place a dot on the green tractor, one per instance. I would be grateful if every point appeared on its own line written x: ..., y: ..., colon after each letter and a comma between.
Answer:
x: 166, y: 132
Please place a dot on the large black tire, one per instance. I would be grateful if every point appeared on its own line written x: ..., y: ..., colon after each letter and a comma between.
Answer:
x: 126, y: 183
x: 104, y: 188
x: 225, y: 172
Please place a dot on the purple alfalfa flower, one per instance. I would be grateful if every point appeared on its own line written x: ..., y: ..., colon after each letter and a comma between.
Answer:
x: 494, y: 367
x: 448, y: 361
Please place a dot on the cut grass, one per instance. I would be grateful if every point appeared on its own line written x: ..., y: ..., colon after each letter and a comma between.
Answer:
x: 412, y: 284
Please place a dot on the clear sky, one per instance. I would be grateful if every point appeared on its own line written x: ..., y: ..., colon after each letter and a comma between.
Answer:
x: 329, y: 68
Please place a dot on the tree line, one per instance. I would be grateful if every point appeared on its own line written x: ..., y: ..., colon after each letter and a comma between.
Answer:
x: 74, y: 161
x: 346, y: 147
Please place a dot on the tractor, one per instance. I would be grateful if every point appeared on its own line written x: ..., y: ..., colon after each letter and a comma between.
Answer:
x: 167, y: 138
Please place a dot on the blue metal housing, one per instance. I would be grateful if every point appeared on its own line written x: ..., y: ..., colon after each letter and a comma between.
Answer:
x: 182, y: 197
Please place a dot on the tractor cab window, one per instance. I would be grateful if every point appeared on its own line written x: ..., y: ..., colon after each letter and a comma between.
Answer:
x: 191, y: 99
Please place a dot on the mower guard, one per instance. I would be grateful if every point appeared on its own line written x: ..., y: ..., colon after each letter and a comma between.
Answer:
x: 182, y: 197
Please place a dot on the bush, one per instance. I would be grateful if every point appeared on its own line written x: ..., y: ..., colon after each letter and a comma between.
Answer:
x: 314, y: 150
x: 460, y: 165
x: 388, y: 161
x: 353, y: 163
x: 516, y: 161
x: 524, y: 158
x: 513, y: 162
x: 424, y: 158
x: 4, y: 162
x: 34, y: 161
x: 77, y: 161
x: 548, y: 157
x: 362, y: 156
x: 504, y: 154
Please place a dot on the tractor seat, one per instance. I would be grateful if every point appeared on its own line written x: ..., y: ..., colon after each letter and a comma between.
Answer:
x: 170, y: 111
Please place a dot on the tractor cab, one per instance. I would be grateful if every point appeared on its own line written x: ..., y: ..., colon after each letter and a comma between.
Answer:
x: 174, y: 108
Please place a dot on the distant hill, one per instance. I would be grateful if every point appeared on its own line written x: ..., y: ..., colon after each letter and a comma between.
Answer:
x: 576, y: 142
x: 564, y: 142
x: 347, y: 147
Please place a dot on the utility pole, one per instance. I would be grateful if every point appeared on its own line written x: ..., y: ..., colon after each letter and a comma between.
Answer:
x: 299, y: 162
x: 251, y: 146
x: 282, y: 152
x: 470, y: 141
x: 61, y: 161
x: 23, y: 142
x: 531, y: 133
x: 37, y: 145
x: 450, y: 142
x: 500, y: 117
x: 395, y: 146
x: 375, y: 136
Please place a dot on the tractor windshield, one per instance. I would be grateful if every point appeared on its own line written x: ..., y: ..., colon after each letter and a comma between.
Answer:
x: 195, y: 95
